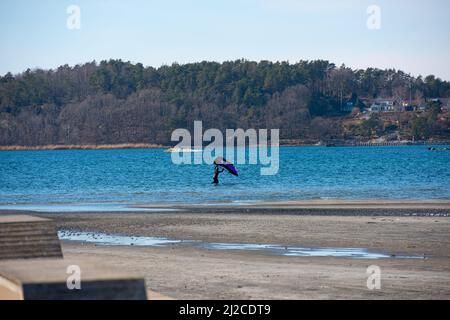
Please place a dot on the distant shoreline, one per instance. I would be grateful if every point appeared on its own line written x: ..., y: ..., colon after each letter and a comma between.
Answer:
x: 84, y: 147
x: 287, y: 143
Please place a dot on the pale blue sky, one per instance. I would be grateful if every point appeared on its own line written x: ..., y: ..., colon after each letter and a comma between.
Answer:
x: 414, y: 35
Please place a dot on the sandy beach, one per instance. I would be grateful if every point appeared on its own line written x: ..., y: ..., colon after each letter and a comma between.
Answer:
x: 189, y: 272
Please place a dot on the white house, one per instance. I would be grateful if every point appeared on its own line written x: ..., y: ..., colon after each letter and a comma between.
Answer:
x: 383, y: 105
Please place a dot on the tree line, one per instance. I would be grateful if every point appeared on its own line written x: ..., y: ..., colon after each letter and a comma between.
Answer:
x: 121, y: 102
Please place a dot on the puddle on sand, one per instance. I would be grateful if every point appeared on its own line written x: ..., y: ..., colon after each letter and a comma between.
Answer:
x: 115, y: 240
x: 356, y: 253
x: 119, y: 240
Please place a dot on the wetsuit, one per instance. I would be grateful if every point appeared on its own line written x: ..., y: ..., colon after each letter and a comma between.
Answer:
x: 216, y: 175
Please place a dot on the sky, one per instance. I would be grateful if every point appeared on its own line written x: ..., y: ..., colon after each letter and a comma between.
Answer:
x: 409, y: 35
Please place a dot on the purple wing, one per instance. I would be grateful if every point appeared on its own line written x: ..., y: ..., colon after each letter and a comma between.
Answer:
x: 231, y: 169
x: 227, y: 165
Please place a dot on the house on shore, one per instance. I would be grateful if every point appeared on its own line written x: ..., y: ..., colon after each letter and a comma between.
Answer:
x: 347, y: 106
x: 444, y: 102
x: 385, y: 105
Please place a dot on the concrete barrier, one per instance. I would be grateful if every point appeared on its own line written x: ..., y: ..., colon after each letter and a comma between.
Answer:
x: 32, y: 268
x: 26, y: 237
x: 58, y: 279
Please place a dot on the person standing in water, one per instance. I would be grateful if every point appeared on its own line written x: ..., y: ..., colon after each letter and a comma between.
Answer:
x: 217, y: 171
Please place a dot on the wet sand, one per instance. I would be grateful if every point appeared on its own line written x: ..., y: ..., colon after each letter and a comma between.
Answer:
x: 186, y: 272
x: 408, y: 206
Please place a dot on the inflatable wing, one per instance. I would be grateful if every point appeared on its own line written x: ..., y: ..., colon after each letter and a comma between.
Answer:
x: 227, y: 165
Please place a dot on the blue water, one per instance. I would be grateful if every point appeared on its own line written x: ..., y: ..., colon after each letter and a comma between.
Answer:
x: 148, y: 176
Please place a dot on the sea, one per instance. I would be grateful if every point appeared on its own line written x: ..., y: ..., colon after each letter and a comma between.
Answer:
x: 125, y: 179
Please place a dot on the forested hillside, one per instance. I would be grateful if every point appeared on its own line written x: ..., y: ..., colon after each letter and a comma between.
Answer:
x: 120, y: 102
